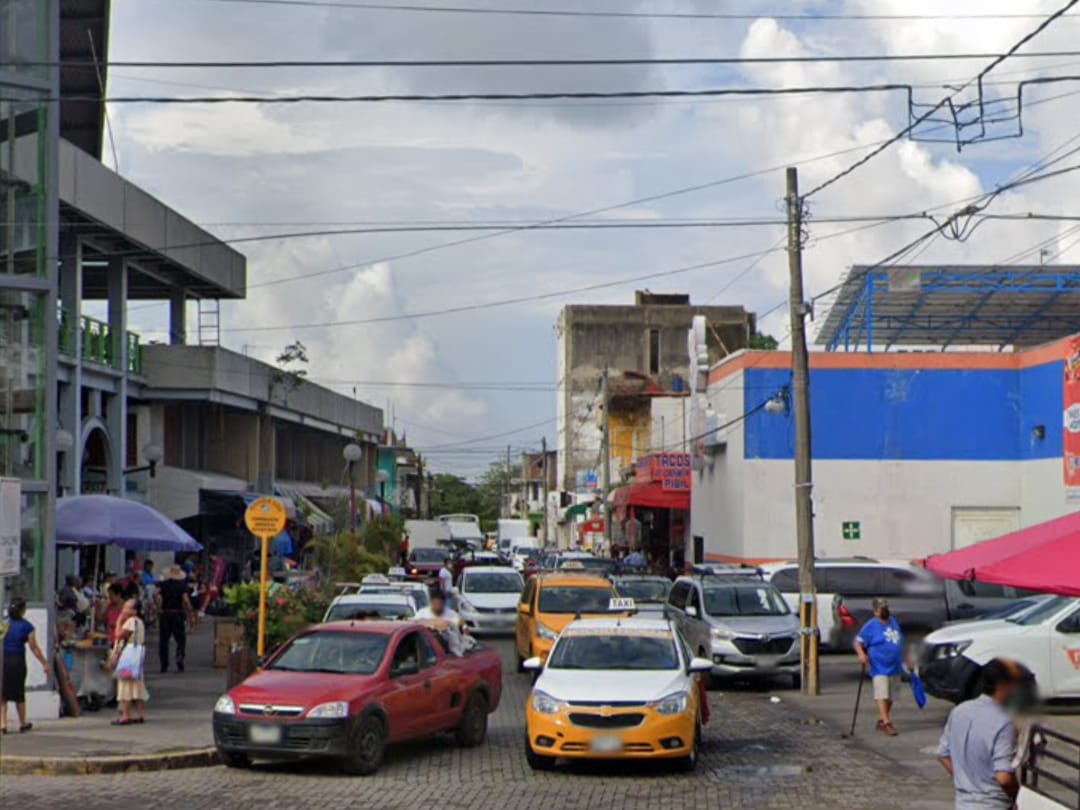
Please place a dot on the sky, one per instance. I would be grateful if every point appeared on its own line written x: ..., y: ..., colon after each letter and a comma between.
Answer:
x: 468, y: 383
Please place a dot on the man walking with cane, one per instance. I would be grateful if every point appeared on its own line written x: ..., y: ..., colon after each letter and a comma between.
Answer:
x: 880, y: 647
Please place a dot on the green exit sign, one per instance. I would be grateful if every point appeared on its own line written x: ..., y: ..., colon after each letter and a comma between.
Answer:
x: 852, y: 530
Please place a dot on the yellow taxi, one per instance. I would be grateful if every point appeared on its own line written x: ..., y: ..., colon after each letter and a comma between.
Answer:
x: 616, y: 689
x: 550, y: 601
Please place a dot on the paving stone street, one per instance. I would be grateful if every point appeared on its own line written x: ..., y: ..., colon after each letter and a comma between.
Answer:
x: 756, y: 754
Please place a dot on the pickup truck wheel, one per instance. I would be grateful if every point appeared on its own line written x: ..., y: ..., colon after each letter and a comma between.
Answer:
x: 234, y: 759
x: 538, y: 762
x: 368, y: 745
x: 473, y: 728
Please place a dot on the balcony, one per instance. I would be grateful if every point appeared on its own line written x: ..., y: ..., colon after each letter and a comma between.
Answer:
x: 98, y: 343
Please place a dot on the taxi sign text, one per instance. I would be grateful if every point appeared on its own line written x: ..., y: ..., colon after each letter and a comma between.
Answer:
x: 621, y: 603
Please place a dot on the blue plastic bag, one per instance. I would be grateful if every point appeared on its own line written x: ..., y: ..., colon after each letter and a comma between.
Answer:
x: 917, y: 689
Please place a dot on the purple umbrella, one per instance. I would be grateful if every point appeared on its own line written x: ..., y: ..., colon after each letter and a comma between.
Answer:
x: 96, y: 520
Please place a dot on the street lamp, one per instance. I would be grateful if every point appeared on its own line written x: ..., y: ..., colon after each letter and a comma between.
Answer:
x: 153, y: 454
x: 382, y: 476
x: 352, y: 453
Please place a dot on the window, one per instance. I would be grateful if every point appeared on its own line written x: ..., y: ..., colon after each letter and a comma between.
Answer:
x: 427, y: 653
x: 654, y: 351
x: 851, y: 581
x: 677, y: 597
x: 407, y: 656
x: 786, y: 580
x: 694, y: 600
x: 527, y: 594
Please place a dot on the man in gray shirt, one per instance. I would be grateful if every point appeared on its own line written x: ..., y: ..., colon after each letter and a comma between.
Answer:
x: 978, y: 747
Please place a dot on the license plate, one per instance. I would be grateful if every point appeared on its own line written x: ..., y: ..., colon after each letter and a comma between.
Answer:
x: 607, y: 744
x: 265, y: 735
x: 766, y: 661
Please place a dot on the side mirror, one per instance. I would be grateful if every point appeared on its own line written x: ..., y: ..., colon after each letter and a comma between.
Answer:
x: 690, y: 610
x: 534, y: 664
x: 700, y: 665
x: 523, y: 608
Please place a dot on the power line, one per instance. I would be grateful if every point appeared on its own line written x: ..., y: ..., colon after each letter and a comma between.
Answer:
x: 943, y: 102
x: 649, y: 15
x: 562, y: 62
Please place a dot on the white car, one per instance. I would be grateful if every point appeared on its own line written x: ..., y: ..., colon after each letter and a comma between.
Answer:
x: 398, y: 606
x: 520, y: 554
x: 1045, y: 639
x: 616, y: 688
x: 377, y: 583
x: 487, y: 598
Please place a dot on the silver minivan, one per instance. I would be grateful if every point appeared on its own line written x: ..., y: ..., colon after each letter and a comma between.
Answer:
x: 742, y: 625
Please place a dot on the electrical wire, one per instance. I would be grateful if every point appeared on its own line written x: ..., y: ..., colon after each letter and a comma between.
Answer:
x: 942, y: 103
x: 648, y: 15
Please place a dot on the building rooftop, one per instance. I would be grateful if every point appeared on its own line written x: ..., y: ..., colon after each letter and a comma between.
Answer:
x: 953, y: 305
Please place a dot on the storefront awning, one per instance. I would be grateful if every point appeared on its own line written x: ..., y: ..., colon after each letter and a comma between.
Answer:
x: 651, y: 496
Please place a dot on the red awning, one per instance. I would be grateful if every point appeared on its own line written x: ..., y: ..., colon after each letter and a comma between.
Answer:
x: 651, y: 496
x: 1044, y: 558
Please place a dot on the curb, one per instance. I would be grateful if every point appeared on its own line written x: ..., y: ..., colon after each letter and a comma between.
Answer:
x: 84, y: 766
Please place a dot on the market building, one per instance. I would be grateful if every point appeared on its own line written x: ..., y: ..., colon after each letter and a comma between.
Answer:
x: 915, y: 450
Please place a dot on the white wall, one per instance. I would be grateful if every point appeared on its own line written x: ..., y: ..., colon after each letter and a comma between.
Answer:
x: 1042, y: 491
x: 716, y: 496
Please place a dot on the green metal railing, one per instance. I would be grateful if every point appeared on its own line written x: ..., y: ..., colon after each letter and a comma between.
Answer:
x: 98, y: 343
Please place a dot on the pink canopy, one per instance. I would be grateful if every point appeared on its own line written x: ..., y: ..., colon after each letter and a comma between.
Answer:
x: 1044, y: 558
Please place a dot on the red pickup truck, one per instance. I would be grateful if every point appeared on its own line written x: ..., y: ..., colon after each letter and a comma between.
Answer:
x: 345, y: 690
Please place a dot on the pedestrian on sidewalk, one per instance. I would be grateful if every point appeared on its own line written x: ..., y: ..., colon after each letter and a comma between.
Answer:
x: 174, y: 605
x: 979, y: 745
x: 127, y: 663
x: 880, y: 647
x: 19, y: 636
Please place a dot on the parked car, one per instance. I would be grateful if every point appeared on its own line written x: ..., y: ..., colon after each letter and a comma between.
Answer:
x: 487, y: 597
x: 346, y: 690
x: 424, y: 563
x: 648, y: 591
x: 920, y: 601
x: 378, y: 583
x: 615, y: 689
x: 1046, y: 639
x: 743, y: 626
x: 390, y: 606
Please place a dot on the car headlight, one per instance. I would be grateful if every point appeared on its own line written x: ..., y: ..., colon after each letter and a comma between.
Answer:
x: 225, y: 705
x: 674, y: 703
x: 466, y: 605
x: 543, y: 703
x: 546, y: 632
x: 330, y: 711
x: 950, y: 650
x: 719, y: 634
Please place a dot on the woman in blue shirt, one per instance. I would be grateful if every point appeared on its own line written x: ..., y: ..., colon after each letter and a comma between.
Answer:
x: 880, y: 646
x: 19, y: 636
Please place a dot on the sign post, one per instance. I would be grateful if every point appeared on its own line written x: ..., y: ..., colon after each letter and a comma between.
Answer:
x: 265, y: 518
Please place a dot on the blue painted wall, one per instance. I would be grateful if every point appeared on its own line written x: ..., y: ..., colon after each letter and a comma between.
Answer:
x: 926, y: 414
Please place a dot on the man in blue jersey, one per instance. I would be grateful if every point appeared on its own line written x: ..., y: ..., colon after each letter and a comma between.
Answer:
x: 880, y: 647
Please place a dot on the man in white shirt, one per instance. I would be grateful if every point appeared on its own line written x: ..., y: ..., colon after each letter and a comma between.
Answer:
x: 446, y: 578
x: 445, y: 622
x: 438, y: 609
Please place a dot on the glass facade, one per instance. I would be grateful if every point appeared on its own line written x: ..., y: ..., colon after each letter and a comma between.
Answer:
x: 27, y: 277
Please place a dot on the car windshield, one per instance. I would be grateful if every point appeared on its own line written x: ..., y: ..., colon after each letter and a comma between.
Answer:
x: 575, y: 599
x: 427, y: 555
x: 1043, y: 612
x: 510, y: 582
x: 644, y: 590
x: 347, y: 653
x: 738, y: 600
x: 589, y: 651
x: 343, y: 611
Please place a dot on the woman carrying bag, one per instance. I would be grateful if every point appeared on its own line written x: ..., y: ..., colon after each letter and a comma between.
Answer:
x: 126, y: 662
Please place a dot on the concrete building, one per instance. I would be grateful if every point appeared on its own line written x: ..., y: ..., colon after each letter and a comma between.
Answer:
x: 527, y: 497
x: 643, y: 348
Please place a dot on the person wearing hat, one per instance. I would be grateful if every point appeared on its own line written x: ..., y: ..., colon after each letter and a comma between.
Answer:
x: 979, y: 745
x: 880, y: 647
x: 174, y: 605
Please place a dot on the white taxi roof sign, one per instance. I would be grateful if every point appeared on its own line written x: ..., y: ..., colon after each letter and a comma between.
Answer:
x: 621, y: 603
x: 375, y: 579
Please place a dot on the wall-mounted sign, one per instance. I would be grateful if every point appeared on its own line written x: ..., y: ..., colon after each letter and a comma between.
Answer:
x: 671, y: 470
x: 851, y: 530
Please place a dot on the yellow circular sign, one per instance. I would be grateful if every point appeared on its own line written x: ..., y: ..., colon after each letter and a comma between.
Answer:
x: 265, y: 517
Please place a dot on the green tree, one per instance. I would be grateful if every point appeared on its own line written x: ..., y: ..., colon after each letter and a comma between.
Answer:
x: 762, y: 341
x: 452, y: 494
x: 493, y: 483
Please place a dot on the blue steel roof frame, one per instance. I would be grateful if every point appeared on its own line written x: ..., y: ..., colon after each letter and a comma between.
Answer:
x: 970, y: 305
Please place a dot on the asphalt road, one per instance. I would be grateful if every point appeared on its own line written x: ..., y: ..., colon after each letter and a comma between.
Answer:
x: 756, y: 754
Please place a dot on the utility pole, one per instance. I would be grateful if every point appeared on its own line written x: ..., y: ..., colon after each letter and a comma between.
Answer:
x: 800, y: 393
x: 605, y: 396
x: 544, y: 487
x: 506, y: 511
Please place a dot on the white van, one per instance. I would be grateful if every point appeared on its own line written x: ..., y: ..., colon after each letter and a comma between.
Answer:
x: 1046, y: 640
